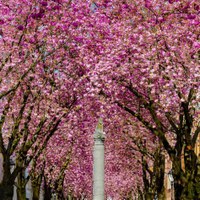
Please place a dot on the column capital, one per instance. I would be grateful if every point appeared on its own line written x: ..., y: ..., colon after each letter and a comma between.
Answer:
x: 99, y: 134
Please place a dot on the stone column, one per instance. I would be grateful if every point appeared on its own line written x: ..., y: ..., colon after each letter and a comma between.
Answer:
x: 98, y: 162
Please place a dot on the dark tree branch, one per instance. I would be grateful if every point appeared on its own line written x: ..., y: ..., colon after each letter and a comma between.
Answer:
x: 171, y: 121
x: 157, y: 131
x: 195, y: 136
x: 17, y: 122
x: 2, y: 121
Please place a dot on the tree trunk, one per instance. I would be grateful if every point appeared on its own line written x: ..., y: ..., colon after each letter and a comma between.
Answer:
x: 140, y: 195
x: 21, y: 193
x: 36, y: 192
x: 21, y: 186
x: 7, y: 184
x: 159, y: 173
x: 36, y: 183
x: 149, y: 196
x: 161, y: 195
x: 187, y: 181
x: 6, y: 191
x: 47, y: 190
x: 189, y: 190
x: 154, y: 180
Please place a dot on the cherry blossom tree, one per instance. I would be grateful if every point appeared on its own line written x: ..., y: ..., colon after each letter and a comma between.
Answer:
x: 151, y: 71
x: 41, y: 78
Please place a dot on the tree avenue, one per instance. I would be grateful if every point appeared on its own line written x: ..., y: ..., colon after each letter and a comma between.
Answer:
x: 64, y: 64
